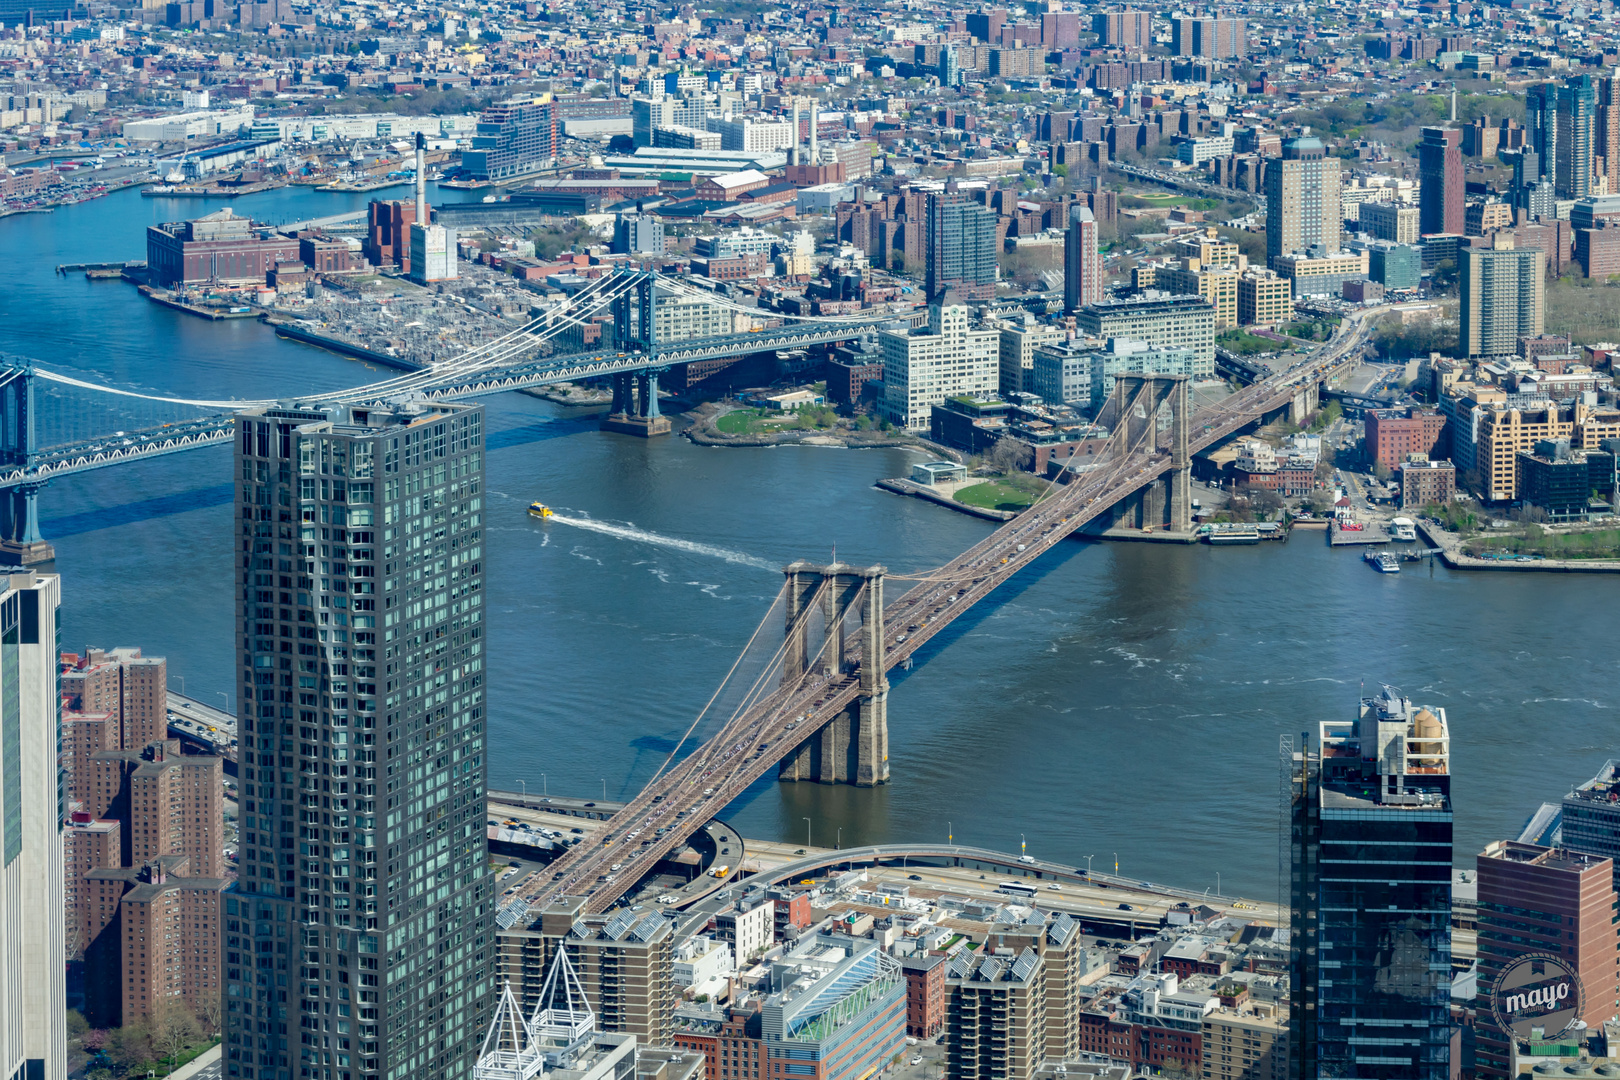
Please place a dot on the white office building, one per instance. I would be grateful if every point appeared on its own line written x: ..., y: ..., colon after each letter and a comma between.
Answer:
x: 754, y: 135
x: 923, y: 368
x: 33, y: 990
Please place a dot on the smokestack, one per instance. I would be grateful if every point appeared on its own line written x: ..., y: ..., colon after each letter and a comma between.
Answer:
x: 793, y: 152
x: 814, y: 160
x: 421, y: 179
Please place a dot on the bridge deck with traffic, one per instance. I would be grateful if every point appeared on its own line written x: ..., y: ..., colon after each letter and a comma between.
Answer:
x: 677, y: 801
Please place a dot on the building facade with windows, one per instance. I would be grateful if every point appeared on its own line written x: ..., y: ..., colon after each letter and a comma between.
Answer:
x: 359, y: 937
x: 1370, y: 942
x: 33, y: 808
x: 928, y: 365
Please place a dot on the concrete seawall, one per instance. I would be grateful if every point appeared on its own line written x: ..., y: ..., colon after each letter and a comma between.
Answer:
x: 918, y: 491
x: 1450, y: 548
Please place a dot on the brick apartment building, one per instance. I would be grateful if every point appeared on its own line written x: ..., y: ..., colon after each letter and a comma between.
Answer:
x: 123, y: 684
x: 169, y: 932
x: 1392, y: 434
x: 143, y: 850
x: 925, y: 995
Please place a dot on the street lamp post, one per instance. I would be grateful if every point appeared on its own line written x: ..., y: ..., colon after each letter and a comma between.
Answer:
x: 604, y: 788
x: 545, y: 787
x: 1217, y: 883
x: 182, y: 679
x: 1022, y: 847
x: 1116, y: 864
x: 525, y: 788
x: 839, y: 843
x: 227, y: 698
x: 807, y: 833
x: 950, y: 833
x: 1088, y: 864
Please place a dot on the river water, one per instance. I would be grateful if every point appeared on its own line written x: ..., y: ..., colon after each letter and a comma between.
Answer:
x: 1117, y: 700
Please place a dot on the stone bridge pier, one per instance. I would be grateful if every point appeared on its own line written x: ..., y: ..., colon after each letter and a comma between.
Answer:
x: 852, y: 747
x: 1307, y: 401
x: 1134, y: 410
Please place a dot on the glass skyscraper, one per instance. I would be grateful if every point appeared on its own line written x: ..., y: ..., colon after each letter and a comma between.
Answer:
x: 1370, y: 941
x: 359, y: 937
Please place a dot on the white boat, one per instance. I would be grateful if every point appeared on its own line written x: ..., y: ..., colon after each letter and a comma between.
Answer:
x: 1383, y: 562
x: 1403, y: 529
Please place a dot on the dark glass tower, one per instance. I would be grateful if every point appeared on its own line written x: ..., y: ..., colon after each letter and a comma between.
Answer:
x: 359, y: 938
x: 1371, y: 896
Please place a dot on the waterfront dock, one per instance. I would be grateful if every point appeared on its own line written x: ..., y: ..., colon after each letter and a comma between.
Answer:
x: 168, y: 300
x: 292, y: 330
x: 210, y: 191
x: 1141, y: 536
x: 1369, y: 533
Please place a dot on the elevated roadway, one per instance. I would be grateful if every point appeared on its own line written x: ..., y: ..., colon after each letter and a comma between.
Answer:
x: 700, y: 786
x: 953, y: 869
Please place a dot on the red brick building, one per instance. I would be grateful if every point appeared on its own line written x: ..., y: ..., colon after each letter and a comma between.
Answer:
x: 388, y: 233
x: 925, y: 995
x: 845, y: 379
x: 1598, y: 252
x: 169, y: 928
x: 1391, y: 434
x: 122, y: 685
x: 219, y: 247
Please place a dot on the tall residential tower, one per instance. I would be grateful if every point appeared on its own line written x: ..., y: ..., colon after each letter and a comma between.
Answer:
x: 1370, y: 840
x: 1440, y: 199
x: 1082, y: 268
x: 1302, y: 201
x: 359, y: 938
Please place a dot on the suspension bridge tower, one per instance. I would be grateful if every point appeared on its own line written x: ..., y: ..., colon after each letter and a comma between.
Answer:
x: 20, y: 541
x: 635, y: 393
x: 852, y: 747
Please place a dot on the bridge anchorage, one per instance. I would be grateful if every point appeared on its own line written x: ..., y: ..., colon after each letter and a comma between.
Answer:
x: 853, y: 746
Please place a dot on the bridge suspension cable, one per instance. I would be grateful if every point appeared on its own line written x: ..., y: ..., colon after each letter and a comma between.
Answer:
x: 712, y: 697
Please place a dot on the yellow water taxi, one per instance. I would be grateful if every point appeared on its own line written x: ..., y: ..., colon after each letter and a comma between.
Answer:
x: 539, y: 510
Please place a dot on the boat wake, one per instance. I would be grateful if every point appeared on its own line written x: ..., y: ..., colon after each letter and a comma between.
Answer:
x: 626, y: 532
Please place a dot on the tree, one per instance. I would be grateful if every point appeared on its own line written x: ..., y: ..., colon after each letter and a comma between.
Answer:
x: 1264, y: 501
x: 1010, y: 455
x: 1380, y: 470
x: 174, y: 1028
x: 129, y: 1045
x: 211, y: 1011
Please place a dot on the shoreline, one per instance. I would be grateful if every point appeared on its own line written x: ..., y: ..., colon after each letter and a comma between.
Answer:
x: 901, y: 486
x: 700, y: 430
x: 1450, y: 548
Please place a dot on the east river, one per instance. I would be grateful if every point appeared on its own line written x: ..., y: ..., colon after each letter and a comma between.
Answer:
x: 1118, y: 700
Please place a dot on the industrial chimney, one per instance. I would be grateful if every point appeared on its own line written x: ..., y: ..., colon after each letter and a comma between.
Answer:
x: 421, y: 179
x: 814, y: 160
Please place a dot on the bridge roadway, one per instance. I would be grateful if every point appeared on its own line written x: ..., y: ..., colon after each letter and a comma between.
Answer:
x: 699, y: 787
x: 117, y: 449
